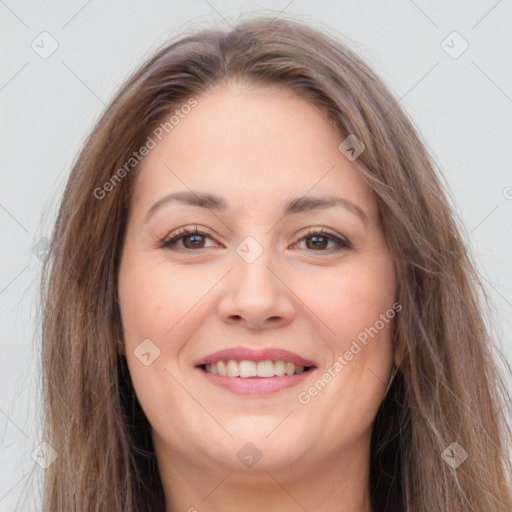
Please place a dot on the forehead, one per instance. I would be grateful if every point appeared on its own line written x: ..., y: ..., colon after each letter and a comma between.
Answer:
x: 254, y: 146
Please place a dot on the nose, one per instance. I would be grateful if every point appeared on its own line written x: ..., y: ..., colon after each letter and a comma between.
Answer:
x: 256, y: 296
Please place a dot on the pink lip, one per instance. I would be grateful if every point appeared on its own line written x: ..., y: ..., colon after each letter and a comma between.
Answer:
x: 255, y: 385
x: 241, y: 353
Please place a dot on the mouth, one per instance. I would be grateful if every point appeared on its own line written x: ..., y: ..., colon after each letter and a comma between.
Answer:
x: 246, y: 371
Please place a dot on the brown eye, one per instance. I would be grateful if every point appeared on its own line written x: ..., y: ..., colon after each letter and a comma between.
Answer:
x: 319, y: 240
x: 189, y: 238
x: 193, y: 241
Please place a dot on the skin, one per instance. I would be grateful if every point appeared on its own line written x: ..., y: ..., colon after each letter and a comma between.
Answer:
x: 257, y: 148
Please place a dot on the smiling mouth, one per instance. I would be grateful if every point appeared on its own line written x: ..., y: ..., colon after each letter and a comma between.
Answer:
x: 249, y: 369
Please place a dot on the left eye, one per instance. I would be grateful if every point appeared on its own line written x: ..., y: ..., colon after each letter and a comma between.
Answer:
x: 319, y: 240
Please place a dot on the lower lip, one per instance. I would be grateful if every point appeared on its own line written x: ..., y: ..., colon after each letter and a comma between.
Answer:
x: 255, y: 385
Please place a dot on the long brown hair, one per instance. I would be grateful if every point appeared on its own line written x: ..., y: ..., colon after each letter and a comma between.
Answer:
x: 447, y: 387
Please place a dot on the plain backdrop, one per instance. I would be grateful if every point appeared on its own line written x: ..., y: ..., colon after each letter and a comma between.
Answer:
x: 461, y: 102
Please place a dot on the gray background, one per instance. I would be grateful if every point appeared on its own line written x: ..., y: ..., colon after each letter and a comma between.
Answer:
x: 462, y: 106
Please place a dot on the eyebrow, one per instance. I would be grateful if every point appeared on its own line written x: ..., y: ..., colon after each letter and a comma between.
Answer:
x: 293, y: 206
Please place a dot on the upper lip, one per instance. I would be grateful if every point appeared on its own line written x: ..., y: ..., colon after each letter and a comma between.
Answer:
x: 249, y: 354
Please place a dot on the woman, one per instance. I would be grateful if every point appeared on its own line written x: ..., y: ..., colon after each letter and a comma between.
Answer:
x: 258, y: 297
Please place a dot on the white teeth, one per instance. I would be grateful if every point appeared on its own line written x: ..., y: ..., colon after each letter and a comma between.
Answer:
x: 233, y: 369
x: 289, y: 368
x: 212, y: 368
x: 246, y: 368
x: 265, y: 369
x: 279, y: 368
x: 222, y: 368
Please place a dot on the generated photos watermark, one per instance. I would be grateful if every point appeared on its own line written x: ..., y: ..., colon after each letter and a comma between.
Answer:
x: 156, y: 136
x: 342, y: 360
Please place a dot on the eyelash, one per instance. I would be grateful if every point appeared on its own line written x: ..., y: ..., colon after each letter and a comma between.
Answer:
x: 169, y: 241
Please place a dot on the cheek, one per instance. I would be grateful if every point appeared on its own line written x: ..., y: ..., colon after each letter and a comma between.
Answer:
x: 351, y: 300
x: 155, y: 297
x: 357, y: 305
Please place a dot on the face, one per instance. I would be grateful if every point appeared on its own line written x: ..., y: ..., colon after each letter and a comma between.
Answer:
x: 281, y: 269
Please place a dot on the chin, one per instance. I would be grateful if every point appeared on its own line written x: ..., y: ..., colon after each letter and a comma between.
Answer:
x: 262, y: 444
